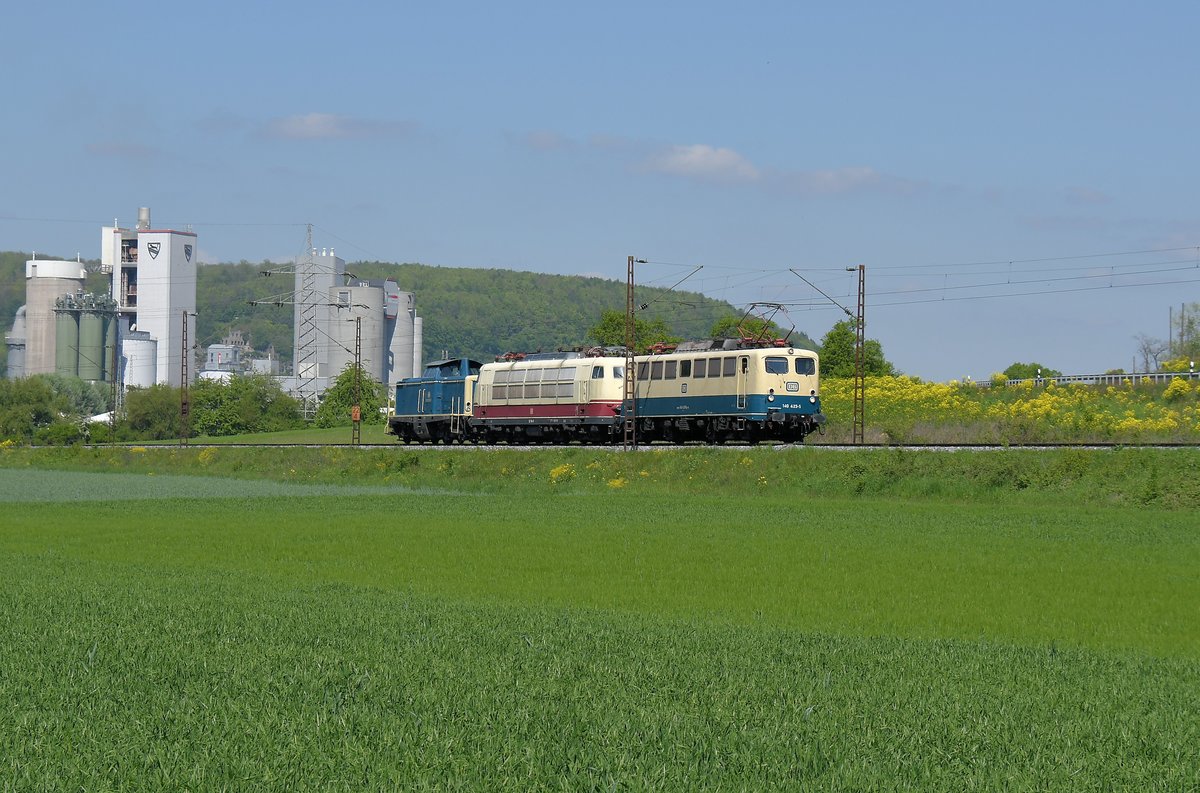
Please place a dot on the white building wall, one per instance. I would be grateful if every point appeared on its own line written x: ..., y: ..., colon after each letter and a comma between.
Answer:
x: 166, y: 282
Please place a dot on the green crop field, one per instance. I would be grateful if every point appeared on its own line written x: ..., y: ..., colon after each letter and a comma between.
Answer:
x: 342, y: 619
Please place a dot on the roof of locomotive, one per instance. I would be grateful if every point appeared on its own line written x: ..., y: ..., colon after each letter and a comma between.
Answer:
x: 725, y: 345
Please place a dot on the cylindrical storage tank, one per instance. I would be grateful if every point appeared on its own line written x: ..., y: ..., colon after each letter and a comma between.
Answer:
x: 46, y: 281
x: 110, y: 347
x: 66, y: 342
x: 402, y: 339
x: 418, y: 344
x: 91, y: 345
x: 16, y: 346
x: 364, y: 303
x: 141, y: 358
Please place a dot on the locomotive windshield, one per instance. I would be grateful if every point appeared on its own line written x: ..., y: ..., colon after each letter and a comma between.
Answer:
x: 776, y: 364
x: 805, y: 366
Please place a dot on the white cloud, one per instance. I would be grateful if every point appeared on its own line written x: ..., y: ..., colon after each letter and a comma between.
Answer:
x: 725, y: 166
x: 834, y: 180
x: 331, y: 126
x: 699, y: 161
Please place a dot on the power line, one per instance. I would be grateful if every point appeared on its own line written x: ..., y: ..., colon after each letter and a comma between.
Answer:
x: 1030, y: 294
x: 946, y: 288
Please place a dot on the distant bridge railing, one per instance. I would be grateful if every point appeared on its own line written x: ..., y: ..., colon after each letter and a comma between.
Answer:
x: 1099, y: 379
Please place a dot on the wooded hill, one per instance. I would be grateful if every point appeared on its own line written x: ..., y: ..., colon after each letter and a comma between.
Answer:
x: 466, y: 311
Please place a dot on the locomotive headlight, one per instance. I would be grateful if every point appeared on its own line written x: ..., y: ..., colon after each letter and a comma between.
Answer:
x: 771, y: 395
x: 812, y: 400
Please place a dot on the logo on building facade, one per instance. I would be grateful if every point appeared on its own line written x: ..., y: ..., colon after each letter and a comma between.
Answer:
x: 187, y: 252
x: 154, y: 248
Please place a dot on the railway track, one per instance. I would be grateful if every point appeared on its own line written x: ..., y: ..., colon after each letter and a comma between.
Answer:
x: 936, y: 447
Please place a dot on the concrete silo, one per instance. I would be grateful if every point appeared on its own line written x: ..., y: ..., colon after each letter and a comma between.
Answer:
x: 400, y: 316
x: 45, y: 282
x: 91, y: 342
x: 66, y: 336
x: 418, y: 357
x: 15, y: 341
x: 112, y: 343
x: 85, y: 336
x: 364, y: 303
x: 140, y: 351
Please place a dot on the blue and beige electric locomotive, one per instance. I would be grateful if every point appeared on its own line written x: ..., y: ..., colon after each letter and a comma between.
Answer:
x: 710, y: 392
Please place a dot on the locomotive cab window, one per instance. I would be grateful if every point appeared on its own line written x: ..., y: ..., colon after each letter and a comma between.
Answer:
x: 776, y: 364
x: 806, y: 366
x: 618, y: 372
x: 597, y: 372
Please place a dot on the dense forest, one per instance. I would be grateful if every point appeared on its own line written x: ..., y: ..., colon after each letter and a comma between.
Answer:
x: 466, y: 311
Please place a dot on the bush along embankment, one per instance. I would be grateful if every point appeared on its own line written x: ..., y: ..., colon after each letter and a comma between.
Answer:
x: 1127, y: 476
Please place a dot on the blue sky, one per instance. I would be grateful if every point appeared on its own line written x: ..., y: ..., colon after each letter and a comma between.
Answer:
x: 1018, y: 179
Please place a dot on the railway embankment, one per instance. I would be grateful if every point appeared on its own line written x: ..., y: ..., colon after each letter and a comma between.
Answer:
x: 1163, y: 477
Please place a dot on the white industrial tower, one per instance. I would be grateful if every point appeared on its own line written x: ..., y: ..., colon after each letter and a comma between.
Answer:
x: 154, y: 284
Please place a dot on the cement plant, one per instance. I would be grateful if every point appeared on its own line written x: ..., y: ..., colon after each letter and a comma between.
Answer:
x: 143, y: 331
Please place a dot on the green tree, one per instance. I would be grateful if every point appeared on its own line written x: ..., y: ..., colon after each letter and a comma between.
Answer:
x: 334, y: 410
x: 610, y: 331
x: 1029, y: 371
x: 81, y: 397
x: 837, y: 353
x: 152, y: 413
x: 48, y: 408
x: 244, y: 404
x: 28, y: 405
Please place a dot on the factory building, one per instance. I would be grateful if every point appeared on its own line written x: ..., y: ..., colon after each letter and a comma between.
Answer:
x: 134, y: 334
x: 336, y: 313
x: 138, y: 333
x: 235, y: 355
x: 154, y: 285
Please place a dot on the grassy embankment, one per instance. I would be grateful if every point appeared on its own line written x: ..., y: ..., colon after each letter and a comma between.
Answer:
x: 578, y: 618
